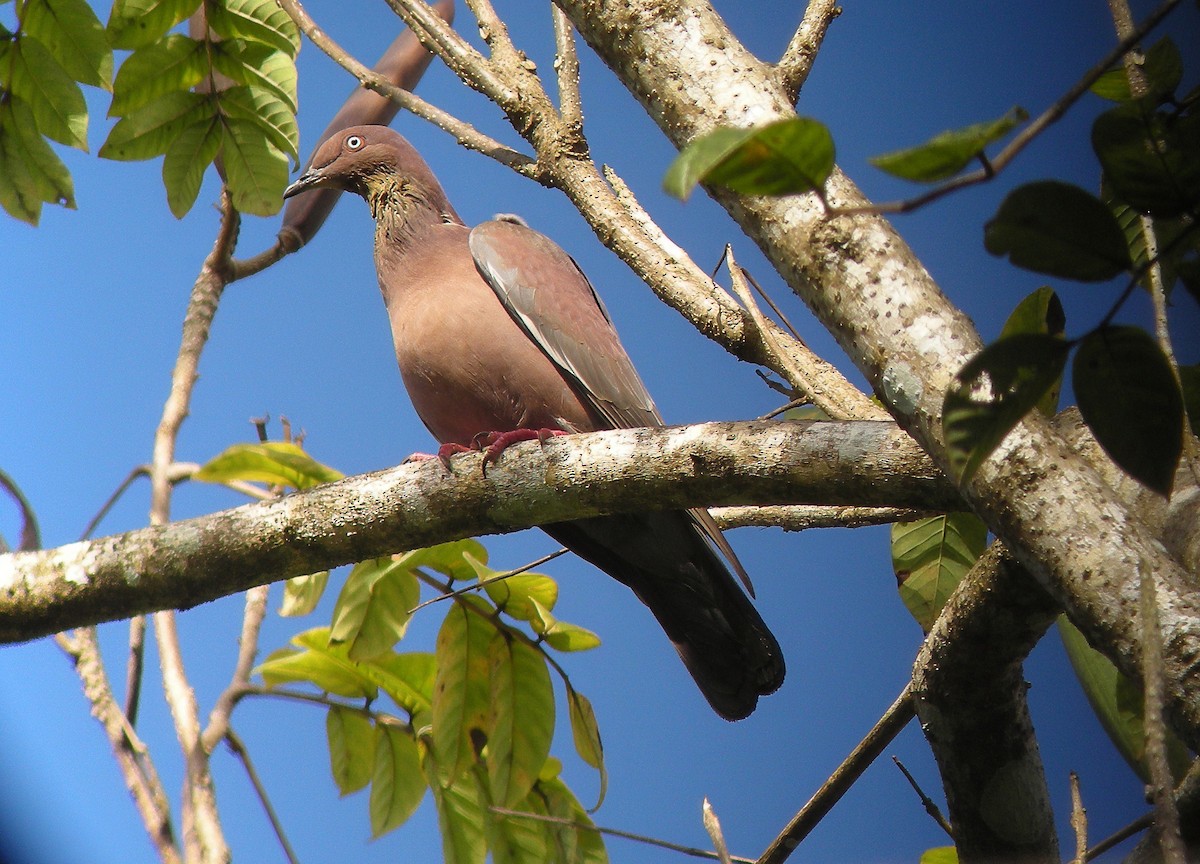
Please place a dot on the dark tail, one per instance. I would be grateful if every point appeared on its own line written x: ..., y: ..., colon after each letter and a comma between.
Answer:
x: 671, y: 567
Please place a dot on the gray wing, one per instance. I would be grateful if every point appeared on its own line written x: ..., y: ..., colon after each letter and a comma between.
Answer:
x: 551, y: 300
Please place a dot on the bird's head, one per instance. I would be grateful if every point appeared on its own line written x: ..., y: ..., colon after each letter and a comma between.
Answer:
x: 372, y: 161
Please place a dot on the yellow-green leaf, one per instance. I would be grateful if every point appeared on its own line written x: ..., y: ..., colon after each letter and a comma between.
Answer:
x: 372, y: 610
x: 351, y: 748
x: 256, y: 170
x: 407, y: 678
x: 301, y: 594
x: 135, y: 23
x: 170, y: 65
x: 75, y: 37
x: 276, y: 463
x: 461, y: 687
x: 521, y: 717
x: 150, y: 130
x: 30, y: 171
x: 561, y: 635
x: 315, y: 661
x: 257, y: 20
x: 397, y: 785
x: 185, y: 162
x: 460, y: 815
x: 56, y: 100
x: 257, y: 65
x: 931, y: 556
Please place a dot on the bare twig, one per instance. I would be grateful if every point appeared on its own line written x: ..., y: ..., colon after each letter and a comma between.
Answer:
x: 31, y: 537
x: 882, y: 733
x: 805, y: 517
x: 478, y: 586
x: 463, y: 132
x: 252, y: 618
x: 615, y: 832
x: 1120, y: 836
x: 1078, y: 821
x: 566, y: 64
x: 712, y: 825
x: 239, y: 749
x: 797, y: 60
x: 930, y: 807
x: 1023, y: 138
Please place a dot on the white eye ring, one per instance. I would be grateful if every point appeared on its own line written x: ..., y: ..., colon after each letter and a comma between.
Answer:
x: 354, y: 142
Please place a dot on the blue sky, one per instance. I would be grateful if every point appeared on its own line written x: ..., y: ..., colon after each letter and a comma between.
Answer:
x: 92, y: 302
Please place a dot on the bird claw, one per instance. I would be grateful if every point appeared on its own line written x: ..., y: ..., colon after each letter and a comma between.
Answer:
x: 443, y: 454
x: 497, y: 442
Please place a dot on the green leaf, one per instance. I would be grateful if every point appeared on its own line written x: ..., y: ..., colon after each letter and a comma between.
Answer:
x: 150, y: 130
x: 931, y: 556
x: 1162, y: 68
x: 940, y: 855
x: 372, y: 610
x: 170, y: 65
x: 1040, y: 312
x: 584, y: 729
x: 1189, y: 379
x: 55, y: 98
x: 1058, y: 229
x: 185, y: 162
x: 301, y: 594
x: 784, y: 157
x: 267, y: 112
x: 1117, y: 704
x: 257, y: 20
x: 30, y: 171
x: 520, y: 723
x: 460, y: 816
x: 1149, y: 157
x: 315, y: 661
x: 74, y: 36
x: 257, y: 65
x: 397, y: 785
x: 578, y: 844
x: 946, y: 154
x: 455, y: 560
x: 407, y: 678
x: 256, y: 170
x: 514, y: 595
x: 561, y: 635
x: 134, y: 24
x: 351, y: 748
x: 521, y: 840
x: 461, y: 687
x: 276, y: 463
x: 993, y: 391
x: 1129, y: 398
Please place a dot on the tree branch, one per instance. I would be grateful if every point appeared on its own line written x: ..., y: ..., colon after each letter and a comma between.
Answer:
x: 196, y: 560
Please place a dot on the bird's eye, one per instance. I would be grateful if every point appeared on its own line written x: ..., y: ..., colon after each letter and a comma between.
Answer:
x: 354, y: 142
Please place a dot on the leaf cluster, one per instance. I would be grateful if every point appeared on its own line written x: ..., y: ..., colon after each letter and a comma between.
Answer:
x: 55, y: 46
x: 472, y: 722
x: 227, y: 97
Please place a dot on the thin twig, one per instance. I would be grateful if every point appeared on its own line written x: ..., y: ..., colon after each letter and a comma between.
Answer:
x: 1023, y: 138
x: 449, y: 594
x: 31, y: 536
x: 239, y: 749
x: 930, y: 807
x: 797, y: 60
x: 566, y: 65
x: 616, y: 832
x: 463, y: 132
x: 1119, y: 836
x: 252, y: 619
x: 882, y: 733
x: 1078, y: 821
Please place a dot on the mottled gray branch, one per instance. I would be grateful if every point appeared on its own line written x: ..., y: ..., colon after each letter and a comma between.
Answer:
x: 185, y: 563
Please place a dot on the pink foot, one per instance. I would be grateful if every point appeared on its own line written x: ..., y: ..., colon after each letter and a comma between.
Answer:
x: 443, y: 454
x: 497, y: 442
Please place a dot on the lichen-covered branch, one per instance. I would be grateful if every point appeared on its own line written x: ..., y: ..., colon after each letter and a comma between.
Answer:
x: 184, y: 563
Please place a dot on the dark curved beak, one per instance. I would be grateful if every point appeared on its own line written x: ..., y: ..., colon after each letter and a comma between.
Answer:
x: 310, y: 179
